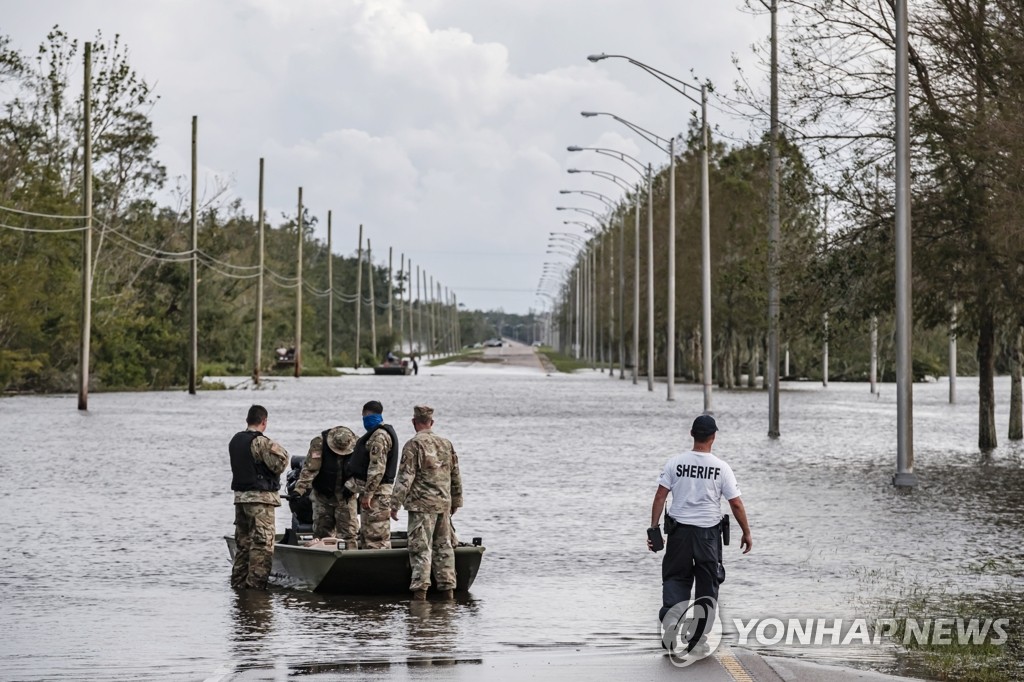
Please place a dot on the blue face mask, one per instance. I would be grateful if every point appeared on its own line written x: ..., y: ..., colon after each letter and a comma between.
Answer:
x: 372, y: 421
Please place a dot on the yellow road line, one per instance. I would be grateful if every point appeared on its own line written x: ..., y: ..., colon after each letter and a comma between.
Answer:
x: 733, y: 666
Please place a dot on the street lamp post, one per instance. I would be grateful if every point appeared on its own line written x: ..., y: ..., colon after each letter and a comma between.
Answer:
x: 705, y: 214
x: 626, y: 158
x: 667, y: 146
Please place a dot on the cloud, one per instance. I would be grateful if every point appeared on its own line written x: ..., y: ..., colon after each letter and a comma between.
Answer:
x: 441, y: 125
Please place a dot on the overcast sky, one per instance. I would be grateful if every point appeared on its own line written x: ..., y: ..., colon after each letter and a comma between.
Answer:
x: 440, y: 125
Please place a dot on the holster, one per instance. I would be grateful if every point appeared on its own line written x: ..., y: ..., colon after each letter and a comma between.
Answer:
x: 724, y: 527
x: 670, y: 524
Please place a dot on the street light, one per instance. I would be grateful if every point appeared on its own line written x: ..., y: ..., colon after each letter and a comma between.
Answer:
x: 593, y: 195
x: 629, y: 161
x: 669, y: 147
x: 705, y: 203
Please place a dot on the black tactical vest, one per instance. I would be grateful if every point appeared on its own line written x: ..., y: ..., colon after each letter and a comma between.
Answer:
x: 330, y: 466
x: 359, y: 462
x: 246, y: 472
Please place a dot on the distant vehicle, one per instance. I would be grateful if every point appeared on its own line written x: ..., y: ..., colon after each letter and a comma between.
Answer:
x: 537, y: 344
x: 493, y: 343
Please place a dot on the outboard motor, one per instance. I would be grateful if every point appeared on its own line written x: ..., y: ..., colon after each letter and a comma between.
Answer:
x: 302, y: 507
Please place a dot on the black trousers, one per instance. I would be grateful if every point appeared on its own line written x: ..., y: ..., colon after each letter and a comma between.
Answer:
x: 691, y: 556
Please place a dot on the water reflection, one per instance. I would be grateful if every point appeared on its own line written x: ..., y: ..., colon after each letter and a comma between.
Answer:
x: 559, y: 474
x: 252, y: 613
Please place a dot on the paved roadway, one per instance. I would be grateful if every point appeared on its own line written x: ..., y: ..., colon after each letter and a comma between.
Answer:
x: 728, y: 664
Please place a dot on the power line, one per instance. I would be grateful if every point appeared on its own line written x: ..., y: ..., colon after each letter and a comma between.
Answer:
x: 43, y: 215
x: 43, y: 230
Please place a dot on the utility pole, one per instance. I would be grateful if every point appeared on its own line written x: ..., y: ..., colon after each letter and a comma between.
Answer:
x: 705, y: 237
x: 952, y: 355
x: 193, y: 355
x: 670, y: 351
x: 650, y: 279
x: 298, y: 294
x: 621, y: 272
x: 258, y: 349
x: 774, y: 303
x: 359, y: 297
x: 612, y: 293
x: 86, y: 334
x: 636, y: 290
x: 458, y: 327
x: 433, y: 317
x: 401, y: 311
x: 419, y: 313
x: 330, y: 295
x: 409, y: 300
x: 391, y: 295
x: 824, y: 347
x: 904, y: 476
x: 873, y: 372
x: 373, y: 301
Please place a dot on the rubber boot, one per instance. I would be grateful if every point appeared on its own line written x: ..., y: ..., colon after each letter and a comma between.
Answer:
x: 447, y: 595
x: 419, y: 595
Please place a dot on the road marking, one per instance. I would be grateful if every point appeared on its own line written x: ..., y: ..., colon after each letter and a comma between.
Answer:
x: 732, y: 666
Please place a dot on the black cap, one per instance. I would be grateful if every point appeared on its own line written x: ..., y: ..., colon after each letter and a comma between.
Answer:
x: 703, y: 426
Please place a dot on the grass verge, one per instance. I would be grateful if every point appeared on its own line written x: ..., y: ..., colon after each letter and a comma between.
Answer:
x: 562, y: 362
x: 474, y: 355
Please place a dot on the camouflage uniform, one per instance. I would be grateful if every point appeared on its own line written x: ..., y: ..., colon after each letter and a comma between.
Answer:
x: 254, y: 521
x: 430, y: 487
x: 332, y: 515
x: 375, y: 523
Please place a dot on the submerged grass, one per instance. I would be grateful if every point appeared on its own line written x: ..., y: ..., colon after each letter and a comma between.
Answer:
x: 917, y: 605
x: 562, y: 362
x: 474, y: 355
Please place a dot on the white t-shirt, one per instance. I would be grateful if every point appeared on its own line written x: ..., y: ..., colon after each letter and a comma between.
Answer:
x: 698, y: 481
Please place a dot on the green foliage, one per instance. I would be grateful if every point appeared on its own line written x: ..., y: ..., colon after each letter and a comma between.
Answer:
x: 562, y: 362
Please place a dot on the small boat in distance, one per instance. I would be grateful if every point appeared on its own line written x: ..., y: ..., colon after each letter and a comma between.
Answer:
x: 395, y: 366
x: 357, y: 571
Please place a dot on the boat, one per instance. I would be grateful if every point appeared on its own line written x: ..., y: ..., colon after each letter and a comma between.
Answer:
x: 357, y: 571
x: 398, y: 370
x: 396, y: 367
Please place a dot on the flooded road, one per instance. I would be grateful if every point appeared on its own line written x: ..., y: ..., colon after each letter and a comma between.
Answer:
x: 116, y: 566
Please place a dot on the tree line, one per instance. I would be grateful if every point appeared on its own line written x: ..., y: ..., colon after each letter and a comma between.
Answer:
x: 141, y: 249
x: 837, y: 250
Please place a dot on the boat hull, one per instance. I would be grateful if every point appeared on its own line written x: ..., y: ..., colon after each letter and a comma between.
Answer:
x: 357, y: 571
x: 392, y: 371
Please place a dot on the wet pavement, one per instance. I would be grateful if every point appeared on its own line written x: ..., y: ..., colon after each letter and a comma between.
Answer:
x: 116, y: 567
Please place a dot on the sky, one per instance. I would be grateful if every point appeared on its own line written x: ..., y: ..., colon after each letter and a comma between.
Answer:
x: 441, y: 126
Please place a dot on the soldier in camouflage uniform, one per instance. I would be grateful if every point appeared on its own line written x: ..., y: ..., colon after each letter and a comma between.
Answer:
x: 430, y: 487
x: 370, y: 473
x: 256, y: 466
x: 333, y: 515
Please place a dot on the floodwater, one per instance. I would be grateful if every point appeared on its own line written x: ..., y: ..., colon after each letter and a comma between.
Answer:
x: 115, y: 565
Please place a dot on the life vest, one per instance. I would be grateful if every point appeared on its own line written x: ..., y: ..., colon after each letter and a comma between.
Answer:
x: 359, y: 462
x: 247, y: 473
x: 330, y: 466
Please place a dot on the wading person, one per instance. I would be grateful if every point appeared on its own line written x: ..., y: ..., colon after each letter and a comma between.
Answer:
x: 256, y: 466
x: 430, y: 487
x: 332, y: 515
x: 698, y: 481
x: 370, y: 474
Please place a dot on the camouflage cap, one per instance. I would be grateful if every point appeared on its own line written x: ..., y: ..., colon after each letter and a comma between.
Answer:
x: 422, y: 413
x: 342, y: 440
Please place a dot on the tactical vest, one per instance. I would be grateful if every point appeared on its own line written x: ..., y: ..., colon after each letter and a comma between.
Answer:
x: 359, y: 462
x: 246, y: 472
x: 330, y: 466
